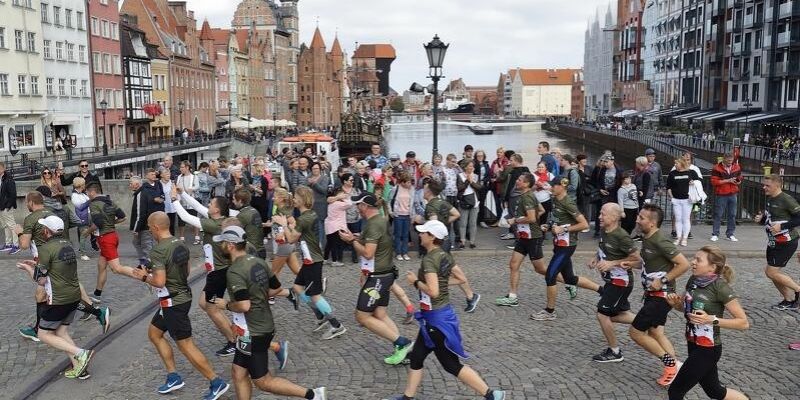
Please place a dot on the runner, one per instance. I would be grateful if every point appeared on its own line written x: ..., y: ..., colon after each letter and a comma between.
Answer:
x: 378, y: 273
x: 56, y: 272
x: 168, y: 273
x: 616, y: 247
x: 251, y: 220
x: 442, y: 211
x: 439, y: 326
x: 565, y: 223
x: 661, y: 264
x: 215, y: 261
x: 283, y: 252
x: 250, y: 283
x: 780, y: 220
x: 707, y: 296
x: 308, y: 285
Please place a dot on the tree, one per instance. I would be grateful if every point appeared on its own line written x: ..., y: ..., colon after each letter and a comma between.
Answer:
x: 397, y: 105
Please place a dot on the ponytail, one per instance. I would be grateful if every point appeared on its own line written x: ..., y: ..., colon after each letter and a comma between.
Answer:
x: 726, y: 272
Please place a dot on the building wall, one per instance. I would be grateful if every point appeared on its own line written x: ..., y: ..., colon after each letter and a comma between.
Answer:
x: 577, y: 106
x: 663, y: 52
x: 546, y: 100
x: 161, y: 126
x: 104, y: 31
x: 598, y: 65
x: 24, y: 110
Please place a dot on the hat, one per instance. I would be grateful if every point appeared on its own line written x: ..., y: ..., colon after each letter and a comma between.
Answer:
x: 45, y: 191
x: 559, y: 181
x: 53, y: 223
x: 435, y: 228
x: 394, y: 157
x: 649, y: 152
x: 468, y: 147
x: 366, y: 198
x: 411, y: 154
x: 232, y: 234
x: 568, y: 158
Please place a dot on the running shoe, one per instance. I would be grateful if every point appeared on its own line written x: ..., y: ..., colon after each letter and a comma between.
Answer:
x: 733, y: 238
x: 271, y: 300
x: 70, y: 374
x: 399, y: 257
x: 322, y: 325
x: 29, y: 333
x: 228, y: 350
x: 283, y: 355
x: 82, y: 359
x: 792, y: 306
x: 507, y: 236
x: 782, y: 306
x: 473, y: 303
x: 573, y: 291
x: 292, y: 297
x: 507, y: 301
x: 794, y: 346
x: 14, y: 250
x: 544, y: 316
x: 714, y: 238
x: 498, y: 395
x: 326, y: 262
x: 674, y: 235
x: 690, y: 236
x: 608, y: 356
x: 324, y: 285
x: 669, y: 374
x: 337, y: 264
x: 320, y: 393
x: 105, y: 319
x: 399, y: 354
x: 409, y: 319
x: 406, y: 257
x: 217, y: 388
x: 334, y: 332
x: 5, y: 248
x: 84, y: 257
x: 173, y: 383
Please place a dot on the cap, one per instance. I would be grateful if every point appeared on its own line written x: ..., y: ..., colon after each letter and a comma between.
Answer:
x: 468, y: 147
x: 366, y: 198
x: 411, y: 154
x: 232, y: 234
x: 394, y: 157
x: 568, y: 158
x: 649, y: 152
x: 45, y: 191
x: 435, y: 228
x: 53, y: 223
x: 559, y: 181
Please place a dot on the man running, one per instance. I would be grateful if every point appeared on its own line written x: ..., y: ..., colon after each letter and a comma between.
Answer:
x: 661, y: 264
x: 251, y: 220
x: 250, y: 282
x: 566, y: 222
x: 780, y: 220
x: 378, y: 273
x: 215, y: 261
x: 308, y: 283
x: 616, y: 249
x: 168, y: 273
x: 56, y: 272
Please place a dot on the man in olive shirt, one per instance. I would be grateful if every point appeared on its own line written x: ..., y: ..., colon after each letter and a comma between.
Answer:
x: 168, y: 274
x: 378, y: 274
x: 662, y: 263
x: 309, y: 282
x: 103, y: 216
x: 250, y: 219
x: 56, y: 271
x: 615, y: 253
x: 250, y: 283
x: 780, y: 220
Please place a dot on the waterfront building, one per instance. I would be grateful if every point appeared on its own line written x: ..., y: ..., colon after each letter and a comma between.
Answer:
x: 485, y: 99
x: 598, y: 65
x: 781, y: 49
x: 321, y: 82
x: 161, y: 125
x: 229, y: 50
x: 504, y: 92
x: 140, y: 108
x: 371, y: 65
x: 107, y: 79
x: 578, y: 93
x: 631, y: 91
x: 540, y: 92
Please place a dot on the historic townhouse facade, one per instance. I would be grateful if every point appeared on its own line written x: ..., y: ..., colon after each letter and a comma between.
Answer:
x: 104, y: 43
x: 598, y: 67
x: 321, y: 80
x: 138, y: 84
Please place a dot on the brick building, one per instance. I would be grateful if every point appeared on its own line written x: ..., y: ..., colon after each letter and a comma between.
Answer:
x: 578, y: 93
x: 104, y: 42
x: 485, y: 99
x: 322, y: 85
x: 369, y: 76
x: 631, y: 91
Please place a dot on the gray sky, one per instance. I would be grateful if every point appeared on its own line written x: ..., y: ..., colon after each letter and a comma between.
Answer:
x: 486, y: 37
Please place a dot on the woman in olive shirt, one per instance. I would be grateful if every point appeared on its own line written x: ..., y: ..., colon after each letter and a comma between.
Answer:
x: 707, y: 296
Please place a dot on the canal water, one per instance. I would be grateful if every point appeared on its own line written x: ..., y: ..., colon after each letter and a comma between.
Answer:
x: 523, y: 139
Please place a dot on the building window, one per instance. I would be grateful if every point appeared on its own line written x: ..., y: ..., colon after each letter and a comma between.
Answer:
x: 46, y: 48
x: 118, y: 97
x: 59, y: 51
x: 115, y: 64
x: 22, y: 85
x: 70, y: 52
x: 792, y: 89
x: 735, y: 93
x: 757, y: 66
x: 98, y: 97
x: 68, y: 17
x: 73, y: 87
x: 109, y: 96
x: 24, y: 135
x: 35, y: 85
x: 49, y: 86
x: 81, y: 23
x: 62, y: 87
x: 18, y: 40
x: 104, y: 2
x: 84, y: 88
x: 745, y: 95
x: 2, y: 38
x: 57, y: 15
x: 45, y: 14
x: 96, y: 64
x: 104, y: 28
x: 82, y: 53
x: 107, y: 63
x: 95, y: 29
x: 32, y: 42
x: 114, y: 31
x: 755, y: 92
x: 4, y: 85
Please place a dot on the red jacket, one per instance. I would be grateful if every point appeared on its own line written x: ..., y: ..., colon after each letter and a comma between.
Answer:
x: 719, y: 173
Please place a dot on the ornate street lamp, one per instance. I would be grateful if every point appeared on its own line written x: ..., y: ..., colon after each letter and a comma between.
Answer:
x: 230, y: 104
x: 436, y: 50
x: 747, y: 104
x: 103, y: 107
x: 181, y: 106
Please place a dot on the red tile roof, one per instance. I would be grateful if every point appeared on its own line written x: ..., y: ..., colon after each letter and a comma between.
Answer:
x: 539, y: 77
x: 336, y: 49
x: 317, y: 41
x: 205, y: 31
x: 375, y: 51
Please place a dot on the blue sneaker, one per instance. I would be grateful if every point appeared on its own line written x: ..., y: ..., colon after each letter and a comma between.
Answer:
x: 105, y: 319
x: 217, y: 388
x: 6, y: 247
x: 498, y: 394
x: 29, y: 333
x: 14, y: 250
x: 174, y: 382
x: 283, y: 355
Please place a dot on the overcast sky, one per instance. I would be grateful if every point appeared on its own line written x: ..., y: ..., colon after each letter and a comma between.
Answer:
x: 486, y: 37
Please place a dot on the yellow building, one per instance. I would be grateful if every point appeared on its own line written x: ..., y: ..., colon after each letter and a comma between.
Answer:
x: 160, y: 127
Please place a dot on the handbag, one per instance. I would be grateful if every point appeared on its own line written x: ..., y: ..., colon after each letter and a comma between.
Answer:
x: 467, y: 201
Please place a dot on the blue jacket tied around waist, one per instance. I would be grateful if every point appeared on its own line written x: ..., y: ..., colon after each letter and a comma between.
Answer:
x: 446, y: 321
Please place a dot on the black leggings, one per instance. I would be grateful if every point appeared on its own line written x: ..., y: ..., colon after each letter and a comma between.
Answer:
x: 334, y: 247
x: 447, y: 358
x: 700, y: 367
x: 561, y: 263
x: 548, y: 207
x: 629, y: 221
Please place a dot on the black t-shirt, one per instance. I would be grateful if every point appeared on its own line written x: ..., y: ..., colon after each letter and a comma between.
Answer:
x: 678, y: 182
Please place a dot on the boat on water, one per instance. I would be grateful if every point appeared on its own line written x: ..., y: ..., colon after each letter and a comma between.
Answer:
x: 322, y: 145
x: 482, y: 129
x: 358, y: 132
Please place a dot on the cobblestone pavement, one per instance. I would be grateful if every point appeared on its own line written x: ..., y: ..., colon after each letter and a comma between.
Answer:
x: 531, y: 360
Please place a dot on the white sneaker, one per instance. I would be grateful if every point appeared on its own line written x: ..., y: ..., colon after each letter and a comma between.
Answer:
x: 85, y: 257
x: 483, y: 225
x: 733, y: 238
x: 399, y: 257
x: 334, y: 332
x: 714, y: 238
x: 684, y: 242
x: 320, y: 393
x: 406, y: 257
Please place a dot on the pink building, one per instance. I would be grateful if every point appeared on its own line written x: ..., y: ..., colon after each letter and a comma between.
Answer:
x: 107, y: 72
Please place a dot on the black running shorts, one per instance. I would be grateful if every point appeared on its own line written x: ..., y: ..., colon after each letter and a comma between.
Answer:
x: 216, y: 282
x: 53, y: 316
x: 780, y: 254
x: 614, y: 300
x: 174, y: 320
x: 257, y: 363
x: 310, y: 277
x: 375, y: 292
x: 653, y: 314
x: 530, y: 247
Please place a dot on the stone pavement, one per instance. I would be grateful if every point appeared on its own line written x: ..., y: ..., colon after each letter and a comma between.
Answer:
x: 532, y: 360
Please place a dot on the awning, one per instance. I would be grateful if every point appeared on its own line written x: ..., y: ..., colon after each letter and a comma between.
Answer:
x: 65, y: 120
x: 763, y: 117
x: 772, y: 117
x: 717, y: 116
x: 694, y: 115
x: 748, y: 117
x: 625, y: 113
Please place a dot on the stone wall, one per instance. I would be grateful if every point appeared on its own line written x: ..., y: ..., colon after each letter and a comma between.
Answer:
x: 116, y: 188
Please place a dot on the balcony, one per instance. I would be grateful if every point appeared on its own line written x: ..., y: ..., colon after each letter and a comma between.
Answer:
x: 789, y: 38
x: 789, y: 9
x: 785, y: 68
x: 737, y: 27
x: 748, y: 20
x: 738, y: 3
x: 718, y: 8
x: 737, y: 49
x: 740, y: 75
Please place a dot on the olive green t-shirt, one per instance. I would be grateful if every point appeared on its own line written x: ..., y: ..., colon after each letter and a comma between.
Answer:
x: 376, y: 231
x: 250, y: 219
x: 307, y: 225
x: 58, y: 257
x: 566, y: 212
x: 31, y: 226
x: 439, y: 208
x: 441, y: 263
x: 781, y: 208
x: 172, y: 256
x: 525, y: 203
x: 103, y: 215
x: 657, y: 254
x: 251, y: 274
x: 211, y: 227
x: 616, y: 245
x: 712, y: 300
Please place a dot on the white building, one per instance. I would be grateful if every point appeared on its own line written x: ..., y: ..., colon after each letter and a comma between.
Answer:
x: 67, y: 82
x: 22, y: 101
x: 542, y: 92
x: 598, y: 65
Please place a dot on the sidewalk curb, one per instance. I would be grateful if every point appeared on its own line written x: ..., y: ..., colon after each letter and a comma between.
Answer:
x: 504, y: 252
x: 131, y: 315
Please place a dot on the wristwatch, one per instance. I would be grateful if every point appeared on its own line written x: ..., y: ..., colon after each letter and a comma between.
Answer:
x: 664, y: 280
x: 715, y: 322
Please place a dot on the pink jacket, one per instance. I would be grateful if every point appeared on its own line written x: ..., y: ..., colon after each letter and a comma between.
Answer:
x: 337, y: 216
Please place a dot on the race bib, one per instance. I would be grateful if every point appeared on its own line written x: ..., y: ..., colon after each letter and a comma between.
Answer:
x: 280, y: 238
x: 34, y: 251
x: 648, y: 279
x: 523, y: 231
x: 244, y: 345
x: 208, y: 256
x: 48, y: 288
x: 163, y: 295
x: 425, y: 301
x: 784, y: 236
x: 240, y: 325
x: 699, y: 334
x: 367, y: 266
x: 619, y: 276
x: 562, y: 239
x: 307, y: 260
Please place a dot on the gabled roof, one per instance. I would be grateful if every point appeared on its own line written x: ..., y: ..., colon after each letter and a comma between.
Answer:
x: 241, y: 39
x: 375, y: 51
x: 539, y: 77
x: 317, y: 42
x: 220, y: 36
x: 205, y: 31
x: 336, y: 49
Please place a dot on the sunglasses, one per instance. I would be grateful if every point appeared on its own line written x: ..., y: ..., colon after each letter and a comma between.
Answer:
x: 84, y: 166
x: 46, y: 173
